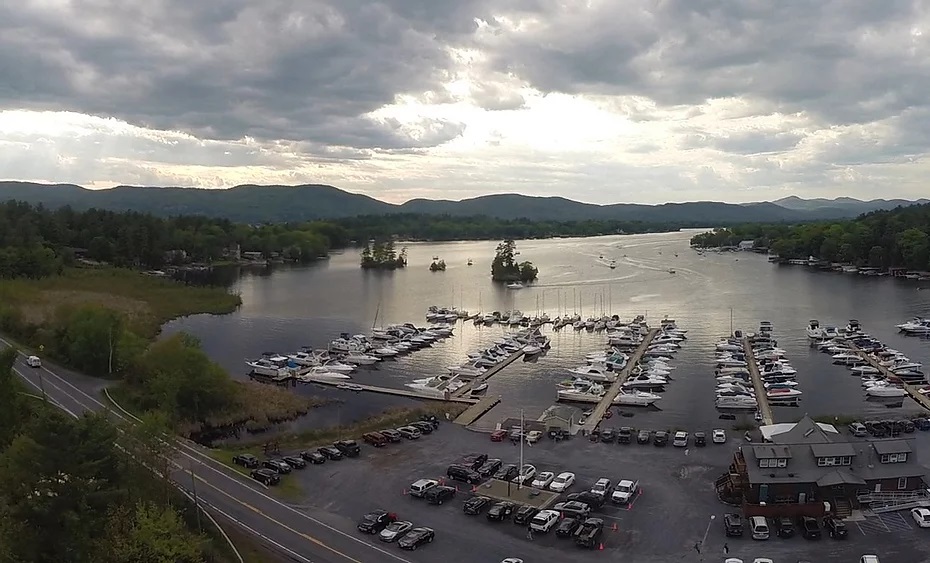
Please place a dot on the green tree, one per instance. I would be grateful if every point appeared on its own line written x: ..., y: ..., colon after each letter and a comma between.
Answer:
x: 150, y: 533
x: 876, y: 257
x: 915, y: 248
x: 89, y: 337
x: 12, y: 409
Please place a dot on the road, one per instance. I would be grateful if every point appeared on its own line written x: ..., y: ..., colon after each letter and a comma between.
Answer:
x: 303, y: 534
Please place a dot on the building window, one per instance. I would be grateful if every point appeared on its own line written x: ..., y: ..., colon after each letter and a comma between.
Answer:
x: 902, y: 483
x: 782, y: 462
x: 827, y: 461
x: 846, y: 460
x: 763, y: 463
x: 894, y: 458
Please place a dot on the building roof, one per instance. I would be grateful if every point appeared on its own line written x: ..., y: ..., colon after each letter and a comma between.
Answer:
x: 805, y: 431
x: 833, y: 450
x: 770, y: 451
x: 562, y: 412
x: 839, y: 477
x: 883, y: 447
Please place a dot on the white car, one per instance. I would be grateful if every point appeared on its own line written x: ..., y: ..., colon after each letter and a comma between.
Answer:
x: 921, y: 516
x: 625, y: 491
x: 525, y: 477
x: 33, y: 362
x: 762, y: 560
x: 543, y: 479
x: 680, y: 440
x: 732, y: 560
x: 512, y: 560
x: 562, y: 482
x: 545, y: 520
x: 601, y: 487
x: 533, y: 436
x: 719, y: 436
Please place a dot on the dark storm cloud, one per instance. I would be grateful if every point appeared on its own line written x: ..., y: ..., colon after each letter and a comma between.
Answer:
x: 224, y: 69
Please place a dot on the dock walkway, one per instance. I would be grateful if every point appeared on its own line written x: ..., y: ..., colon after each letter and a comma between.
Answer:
x: 761, y: 397
x: 477, y: 410
x: 465, y: 389
x: 921, y: 399
x: 409, y: 393
x: 614, y: 389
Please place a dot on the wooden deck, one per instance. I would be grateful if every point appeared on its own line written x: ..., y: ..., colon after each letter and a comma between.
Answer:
x: 409, y: 393
x: 608, y: 398
x: 761, y: 397
x: 465, y: 389
x: 477, y: 410
x: 922, y: 400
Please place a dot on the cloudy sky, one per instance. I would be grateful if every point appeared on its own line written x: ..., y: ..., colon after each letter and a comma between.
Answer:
x: 600, y: 101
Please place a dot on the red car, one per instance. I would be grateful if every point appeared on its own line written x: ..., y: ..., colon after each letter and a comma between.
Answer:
x: 498, y: 435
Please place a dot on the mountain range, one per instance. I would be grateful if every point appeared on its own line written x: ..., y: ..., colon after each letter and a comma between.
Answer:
x: 263, y: 204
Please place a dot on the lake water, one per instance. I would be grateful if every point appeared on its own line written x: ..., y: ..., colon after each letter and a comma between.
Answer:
x: 293, y: 307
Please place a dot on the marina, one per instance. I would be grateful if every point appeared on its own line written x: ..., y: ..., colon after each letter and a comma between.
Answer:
x: 408, y: 393
x: 912, y: 390
x: 765, y: 408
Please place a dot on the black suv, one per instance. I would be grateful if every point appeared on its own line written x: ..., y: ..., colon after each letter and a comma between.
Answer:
x: 661, y: 438
x: 266, y: 476
x: 809, y: 528
x: 589, y: 533
x: 348, y: 448
x: 733, y: 524
x: 463, y: 473
x: 315, y: 458
x: 784, y: 527
x: 643, y: 437
x: 836, y: 528
x: 567, y: 526
x: 424, y: 427
x: 439, y: 494
x: 392, y: 435
x: 475, y: 505
x: 700, y: 439
x: 375, y: 521
x: 524, y: 514
x: 246, y: 460
x: 501, y: 511
x: 277, y: 466
x: 294, y: 461
x: 490, y: 467
x: 330, y: 452
x: 507, y: 472
x: 625, y: 435
x: 593, y: 500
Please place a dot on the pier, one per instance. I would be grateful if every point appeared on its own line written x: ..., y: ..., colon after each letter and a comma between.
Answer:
x: 922, y: 400
x: 409, y: 393
x: 761, y: 397
x: 477, y: 410
x: 614, y: 389
x: 465, y: 389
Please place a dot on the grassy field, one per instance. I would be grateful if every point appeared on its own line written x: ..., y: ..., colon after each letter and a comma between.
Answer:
x: 148, y: 301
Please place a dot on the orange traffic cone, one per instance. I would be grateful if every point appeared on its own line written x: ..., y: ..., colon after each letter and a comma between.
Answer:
x: 600, y: 547
x: 614, y: 527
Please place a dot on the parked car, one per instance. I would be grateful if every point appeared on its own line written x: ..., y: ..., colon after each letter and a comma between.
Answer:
x: 507, y: 473
x: 524, y: 514
x: 858, y: 430
x: 543, y: 479
x: 624, y: 435
x: 733, y: 524
x: 278, y: 466
x: 392, y: 435
x: 490, y: 467
x: 643, y: 437
x: 601, y: 487
x: 567, y: 526
x: 246, y: 460
x: 474, y: 460
x: 463, y: 473
x: 501, y: 511
x: 608, y: 436
x: 375, y: 439
x: 922, y: 423
x: 625, y: 491
x: 527, y: 473
x: 681, y: 440
x: 476, y: 505
x: 423, y: 427
x: 784, y: 527
x: 836, y: 528
x: 330, y: 452
x: 700, y: 439
x: 375, y: 521
x: 573, y: 508
x: 409, y: 432
x: 416, y: 537
x: 809, y: 528
x: 439, y: 494
x: 315, y: 458
x: 563, y: 481
x: 661, y: 438
x: 533, y: 436
x: 265, y: 476
x: 419, y: 487
x: 545, y: 520
x: 294, y: 461
x: 498, y: 435
x: 349, y: 448
x: 395, y: 530
x: 589, y: 533
x: 909, y: 427
x: 921, y: 516
x: 719, y: 436
x: 759, y: 527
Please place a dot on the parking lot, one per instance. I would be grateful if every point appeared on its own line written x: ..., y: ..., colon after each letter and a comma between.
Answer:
x: 663, y: 523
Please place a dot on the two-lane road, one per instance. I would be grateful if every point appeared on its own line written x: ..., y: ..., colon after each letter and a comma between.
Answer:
x: 295, y: 533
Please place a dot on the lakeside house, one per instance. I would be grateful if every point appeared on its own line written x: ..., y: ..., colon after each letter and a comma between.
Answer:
x: 747, y: 244
x: 810, y: 469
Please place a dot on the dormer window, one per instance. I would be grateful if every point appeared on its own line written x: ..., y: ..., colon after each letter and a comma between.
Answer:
x: 834, y: 461
x: 773, y: 463
x: 894, y: 458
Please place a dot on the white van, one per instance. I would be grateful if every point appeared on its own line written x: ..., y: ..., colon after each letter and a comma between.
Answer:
x: 33, y: 362
x: 759, y: 528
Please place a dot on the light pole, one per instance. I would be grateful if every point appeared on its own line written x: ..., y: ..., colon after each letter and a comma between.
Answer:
x: 704, y: 539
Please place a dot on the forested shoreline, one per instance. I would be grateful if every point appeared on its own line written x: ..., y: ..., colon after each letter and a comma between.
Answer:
x: 899, y: 238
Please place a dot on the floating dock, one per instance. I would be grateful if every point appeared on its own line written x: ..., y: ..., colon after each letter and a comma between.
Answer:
x: 921, y: 399
x: 614, y: 389
x: 761, y: 397
x: 409, y: 393
x: 465, y: 389
x: 477, y: 410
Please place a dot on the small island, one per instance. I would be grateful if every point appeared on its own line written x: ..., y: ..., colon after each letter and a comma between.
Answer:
x: 505, y: 268
x: 383, y: 256
x: 438, y: 266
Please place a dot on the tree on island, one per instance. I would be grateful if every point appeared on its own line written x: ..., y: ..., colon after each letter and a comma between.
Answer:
x: 506, y: 268
x: 438, y: 266
x: 383, y: 256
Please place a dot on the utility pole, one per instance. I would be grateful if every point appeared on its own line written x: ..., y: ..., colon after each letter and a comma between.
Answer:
x: 196, y: 498
x: 522, y: 439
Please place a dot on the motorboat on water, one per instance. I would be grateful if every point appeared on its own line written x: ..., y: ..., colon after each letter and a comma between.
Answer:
x: 344, y: 344
x: 886, y: 390
x: 635, y: 398
x: 267, y: 368
x: 385, y: 352
x: 731, y: 379
x: 531, y: 349
x: 337, y: 366
x: 480, y: 388
x: 582, y: 391
x: 814, y: 330
x: 728, y: 346
x: 360, y: 359
x: 726, y: 362
x: 917, y: 326
x: 848, y: 359
x: 783, y: 393
x: 865, y: 370
x: 438, y: 384
x: 515, y: 285
x: 321, y: 372
x: 736, y: 402
x: 645, y: 382
x: 779, y: 384
x: 593, y: 372
x: 468, y: 370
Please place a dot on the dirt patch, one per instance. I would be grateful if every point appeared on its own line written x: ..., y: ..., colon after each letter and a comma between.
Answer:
x: 49, y: 300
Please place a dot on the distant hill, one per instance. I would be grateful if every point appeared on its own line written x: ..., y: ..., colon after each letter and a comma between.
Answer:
x: 264, y: 204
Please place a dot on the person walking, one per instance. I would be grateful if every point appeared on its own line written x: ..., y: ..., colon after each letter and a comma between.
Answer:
x: 529, y: 534
x: 726, y: 549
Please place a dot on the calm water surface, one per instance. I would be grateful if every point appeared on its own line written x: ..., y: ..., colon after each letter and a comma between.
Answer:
x: 294, y: 307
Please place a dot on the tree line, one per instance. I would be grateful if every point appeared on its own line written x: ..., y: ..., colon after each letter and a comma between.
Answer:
x: 881, y: 239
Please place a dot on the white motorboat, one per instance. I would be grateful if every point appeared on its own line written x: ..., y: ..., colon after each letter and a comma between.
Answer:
x: 582, y: 391
x: 830, y: 332
x: 345, y: 345
x: 728, y: 347
x: 847, y: 359
x: 635, y: 398
x: 514, y: 285
x: 865, y: 370
x: 359, y: 358
x: 918, y: 327
x: 337, y: 366
x: 736, y: 402
x: 730, y: 379
x: 322, y: 373
x: 438, y: 384
x: 645, y: 382
x: 531, y: 350
x: 814, y: 331
x: 385, y: 352
x: 305, y: 359
x: 779, y: 384
x: 885, y: 391
x: 595, y: 373
x: 468, y: 370
x: 783, y: 393
x: 480, y: 388
x: 777, y: 369
x: 905, y: 366
x: 730, y: 363
x: 267, y: 368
